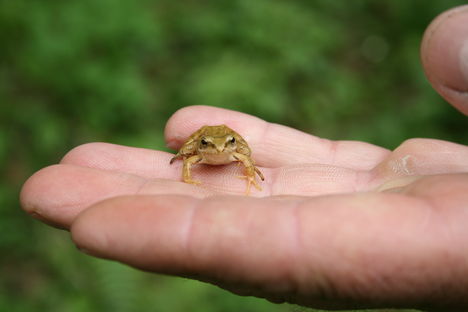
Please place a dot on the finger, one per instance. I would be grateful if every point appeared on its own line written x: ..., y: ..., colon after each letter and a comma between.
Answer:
x: 364, y: 250
x: 444, y: 54
x: 273, y: 145
x: 56, y: 194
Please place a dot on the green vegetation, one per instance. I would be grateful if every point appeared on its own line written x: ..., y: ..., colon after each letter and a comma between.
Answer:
x: 84, y: 70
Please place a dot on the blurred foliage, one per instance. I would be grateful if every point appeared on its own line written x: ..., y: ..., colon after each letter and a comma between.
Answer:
x: 83, y: 70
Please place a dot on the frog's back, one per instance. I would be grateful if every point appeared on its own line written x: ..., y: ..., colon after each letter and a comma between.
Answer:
x: 215, y: 131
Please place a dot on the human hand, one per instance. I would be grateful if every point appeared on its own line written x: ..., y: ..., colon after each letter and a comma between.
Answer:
x: 338, y: 224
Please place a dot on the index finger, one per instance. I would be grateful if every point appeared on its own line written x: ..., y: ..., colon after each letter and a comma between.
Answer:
x: 274, y: 145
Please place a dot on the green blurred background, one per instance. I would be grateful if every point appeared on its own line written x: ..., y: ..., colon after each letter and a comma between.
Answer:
x: 79, y: 71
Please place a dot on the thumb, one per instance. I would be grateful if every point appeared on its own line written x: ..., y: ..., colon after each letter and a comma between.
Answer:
x: 444, y: 55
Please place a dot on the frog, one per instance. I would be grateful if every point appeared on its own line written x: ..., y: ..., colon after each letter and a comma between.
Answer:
x: 217, y: 145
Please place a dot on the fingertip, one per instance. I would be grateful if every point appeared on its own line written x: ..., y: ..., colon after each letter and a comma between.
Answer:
x: 58, y: 193
x: 32, y: 193
x: 141, y: 230
x: 188, y: 119
x: 41, y: 197
x: 444, y: 55
x: 83, y: 231
x: 89, y: 230
x: 179, y: 124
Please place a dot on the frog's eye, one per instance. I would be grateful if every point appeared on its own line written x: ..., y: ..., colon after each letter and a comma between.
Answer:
x: 233, y: 140
x: 203, y: 142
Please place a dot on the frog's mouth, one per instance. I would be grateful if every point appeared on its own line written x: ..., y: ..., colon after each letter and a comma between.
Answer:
x: 217, y: 158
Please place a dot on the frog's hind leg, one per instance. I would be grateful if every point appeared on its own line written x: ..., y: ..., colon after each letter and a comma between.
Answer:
x: 250, y: 181
x: 250, y: 171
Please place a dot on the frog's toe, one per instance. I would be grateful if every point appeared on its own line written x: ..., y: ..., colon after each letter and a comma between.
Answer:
x: 194, y: 182
x: 250, y: 181
x: 258, y: 187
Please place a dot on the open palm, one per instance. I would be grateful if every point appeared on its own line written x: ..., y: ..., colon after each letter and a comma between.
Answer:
x: 337, y: 224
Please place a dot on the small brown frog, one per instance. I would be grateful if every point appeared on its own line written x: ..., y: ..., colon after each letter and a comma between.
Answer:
x: 217, y: 145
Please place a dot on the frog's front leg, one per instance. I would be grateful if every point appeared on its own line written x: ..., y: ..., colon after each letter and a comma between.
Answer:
x: 186, y: 174
x: 250, y: 171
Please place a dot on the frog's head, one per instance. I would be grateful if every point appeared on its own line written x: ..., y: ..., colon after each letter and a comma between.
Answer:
x: 225, y: 144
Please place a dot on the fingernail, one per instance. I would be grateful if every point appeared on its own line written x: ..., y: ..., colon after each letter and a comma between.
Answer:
x: 394, y: 190
x: 172, y: 144
x: 463, y: 57
x: 85, y: 251
x: 35, y: 215
x: 397, y: 185
x: 39, y: 217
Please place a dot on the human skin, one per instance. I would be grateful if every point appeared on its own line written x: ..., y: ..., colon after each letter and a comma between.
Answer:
x: 338, y: 224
